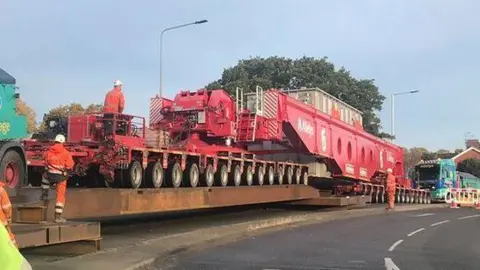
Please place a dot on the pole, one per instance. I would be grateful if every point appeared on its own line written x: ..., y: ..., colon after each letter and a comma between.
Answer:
x: 161, y: 47
x: 393, y: 118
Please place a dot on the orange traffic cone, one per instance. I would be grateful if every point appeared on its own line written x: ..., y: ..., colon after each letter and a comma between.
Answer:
x: 454, y: 204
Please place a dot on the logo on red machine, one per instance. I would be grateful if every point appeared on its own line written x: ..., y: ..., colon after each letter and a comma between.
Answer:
x: 305, y: 126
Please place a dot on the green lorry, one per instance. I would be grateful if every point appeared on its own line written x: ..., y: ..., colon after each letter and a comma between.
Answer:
x: 13, y: 128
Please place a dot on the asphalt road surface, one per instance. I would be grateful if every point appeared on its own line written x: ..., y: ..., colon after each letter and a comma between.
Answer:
x: 430, y: 239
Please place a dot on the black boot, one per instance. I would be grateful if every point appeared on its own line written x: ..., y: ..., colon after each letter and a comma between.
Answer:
x: 59, y: 218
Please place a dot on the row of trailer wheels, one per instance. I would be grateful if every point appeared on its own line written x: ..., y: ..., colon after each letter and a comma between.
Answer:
x: 155, y: 176
x: 404, y: 196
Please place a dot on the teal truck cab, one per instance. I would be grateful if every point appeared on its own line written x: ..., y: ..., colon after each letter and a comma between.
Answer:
x: 436, y: 175
x: 439, y: 175
x: 13, y: 128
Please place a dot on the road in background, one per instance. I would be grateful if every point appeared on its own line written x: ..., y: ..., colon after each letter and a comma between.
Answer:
x: 428, y: 239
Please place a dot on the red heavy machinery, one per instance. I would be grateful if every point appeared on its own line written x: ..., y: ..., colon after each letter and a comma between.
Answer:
x: 216, y: 140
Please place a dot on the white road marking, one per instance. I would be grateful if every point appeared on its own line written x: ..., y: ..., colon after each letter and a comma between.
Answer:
x: 466, y: 217
x: 438, y: 223
x: 414, y: 232
x: 390, y: 265
x: 392, y: 247
x: 425, y: 215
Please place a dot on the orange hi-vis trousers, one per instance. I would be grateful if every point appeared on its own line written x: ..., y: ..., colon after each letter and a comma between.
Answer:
x: 391, y: 198
x: 61, y: 190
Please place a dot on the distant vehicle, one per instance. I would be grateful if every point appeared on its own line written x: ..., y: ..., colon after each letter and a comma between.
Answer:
x: 439, y: 175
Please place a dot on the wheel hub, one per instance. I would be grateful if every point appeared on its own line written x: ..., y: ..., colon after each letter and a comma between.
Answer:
x: 11, y: 175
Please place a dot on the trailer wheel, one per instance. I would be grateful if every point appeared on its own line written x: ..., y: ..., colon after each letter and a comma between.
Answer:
x: 298, y: 175
x: 428, y: 199
x: 381, y: 197
x: 154, y: 174
x: 222, y: 175
x: 260, y: 175
x: 135, y: 175
x: 193, y: 174
x: 280, y: 174
x: 249, y: 175
x: 236, y: 175
x: 270, y: 175
x: 176, y: 174
x: 290, y: 175
x: 305, y: 178
x: 209, y: 175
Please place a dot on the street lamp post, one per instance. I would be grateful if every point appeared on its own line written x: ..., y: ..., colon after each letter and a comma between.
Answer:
x: 393, y: 109
x: 161, y: 46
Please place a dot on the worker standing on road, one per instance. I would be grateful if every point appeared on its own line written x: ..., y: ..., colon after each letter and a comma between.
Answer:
x: 58, y: 163
x: 114, y: 103
x: 6, y: 212
x: 390, y: 187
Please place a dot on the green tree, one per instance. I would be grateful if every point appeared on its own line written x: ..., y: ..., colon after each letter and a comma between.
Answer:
x: 412, y: 156
x: 29, y: 113
x: 470, y: 165
x: 71, y: 109
x: 285, y: 73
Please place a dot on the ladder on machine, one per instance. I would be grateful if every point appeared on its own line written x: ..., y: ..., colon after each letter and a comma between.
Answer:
x: 247, y: 119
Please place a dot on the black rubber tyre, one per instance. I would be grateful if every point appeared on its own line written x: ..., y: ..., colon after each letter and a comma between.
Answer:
x: 12, y: 171
x: 280, y: 175
x: 134, y: 175
x: 222, y: 175
x: 176, y: 174
x: 290, y: 175
x: 260, y: 175
x: 209, y: 176
x: 270, y: 175
x: 236, y: 176
x: 192, y: 173
x: 248, y: 175
x: 298, y: 175
x: 154, y: 175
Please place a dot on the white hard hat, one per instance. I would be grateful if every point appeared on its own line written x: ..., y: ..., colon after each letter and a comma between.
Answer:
x: 117, y: 82
x: 389, y: 170
x: 60, y: 138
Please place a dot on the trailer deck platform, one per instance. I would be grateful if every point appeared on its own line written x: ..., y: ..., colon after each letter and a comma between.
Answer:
x: 104, y: 202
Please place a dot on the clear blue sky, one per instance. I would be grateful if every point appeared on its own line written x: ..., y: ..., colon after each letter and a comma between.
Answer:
x: 64, y: 51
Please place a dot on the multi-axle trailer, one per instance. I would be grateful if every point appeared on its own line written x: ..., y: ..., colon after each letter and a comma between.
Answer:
x: 208, y: 138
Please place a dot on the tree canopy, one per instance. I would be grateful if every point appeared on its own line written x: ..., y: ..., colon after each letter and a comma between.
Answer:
x: 470, y: 165
x: 281, y: 72
x: 71, y: 109
x: 29, y: 113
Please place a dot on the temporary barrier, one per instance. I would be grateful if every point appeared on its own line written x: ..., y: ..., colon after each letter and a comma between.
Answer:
x: 465, y: 197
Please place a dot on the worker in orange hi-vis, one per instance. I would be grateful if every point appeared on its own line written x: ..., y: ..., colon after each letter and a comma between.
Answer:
x: 59, y: 164
x: 6, y: 211
x: 114, y: 103
x: 390, y: 187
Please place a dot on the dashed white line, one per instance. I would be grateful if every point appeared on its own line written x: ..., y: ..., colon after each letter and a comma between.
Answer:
x: 390, y: 265
x: 414, y: 232
x: 392, y: 247
x: 467, y: 217
x: 425, y: 215
x: 440, y: 222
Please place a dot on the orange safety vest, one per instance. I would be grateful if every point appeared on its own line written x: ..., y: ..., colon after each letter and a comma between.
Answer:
x: 5, y: 205
x: 391, y: 182
x: 58, y: 160
x: 114, y: 101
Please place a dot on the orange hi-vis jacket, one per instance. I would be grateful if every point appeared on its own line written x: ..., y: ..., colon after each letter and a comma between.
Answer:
x: 58, y: 160
x: 391, y: 182
x: 5, y: 205
x: 114, y: 101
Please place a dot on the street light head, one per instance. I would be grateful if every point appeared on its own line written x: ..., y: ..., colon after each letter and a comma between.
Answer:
x: 202, y: 21
x: 414, y: 91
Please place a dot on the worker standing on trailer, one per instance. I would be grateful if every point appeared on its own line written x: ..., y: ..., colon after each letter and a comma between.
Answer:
x: 391, y: 186
x: 6, y: 211
x: 58, y: 163
x: 114, y: 103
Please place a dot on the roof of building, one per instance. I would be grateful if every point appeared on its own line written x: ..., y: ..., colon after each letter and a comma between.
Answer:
x: 465, y: 151
x: 6, y: 78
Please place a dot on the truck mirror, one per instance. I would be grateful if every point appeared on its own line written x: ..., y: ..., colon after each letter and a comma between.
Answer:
x: 17, y: 95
